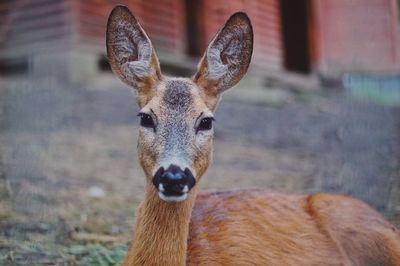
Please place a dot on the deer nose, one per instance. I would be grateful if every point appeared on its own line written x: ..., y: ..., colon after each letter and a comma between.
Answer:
x: 173, y: 184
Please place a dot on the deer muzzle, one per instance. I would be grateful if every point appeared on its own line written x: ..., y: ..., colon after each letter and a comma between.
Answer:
x: 173, y: 184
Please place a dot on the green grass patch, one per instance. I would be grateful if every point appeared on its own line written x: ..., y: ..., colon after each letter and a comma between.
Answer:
x: 98, y: 254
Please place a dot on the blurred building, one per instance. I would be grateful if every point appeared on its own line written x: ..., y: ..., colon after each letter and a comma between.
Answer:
x: 323, y: 38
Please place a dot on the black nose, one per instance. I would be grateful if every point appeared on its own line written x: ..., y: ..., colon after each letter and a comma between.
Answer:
x: 173, y: 181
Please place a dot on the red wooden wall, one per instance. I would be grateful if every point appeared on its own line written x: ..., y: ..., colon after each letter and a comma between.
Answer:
x: 26, y: 25
x: 356, y: 35
x: 265, y: 18
x: 344, y: 35
x: 165, y: 23
x: 163, y: 20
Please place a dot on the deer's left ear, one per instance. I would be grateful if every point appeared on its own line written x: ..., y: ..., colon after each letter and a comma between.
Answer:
x: 227, y: 57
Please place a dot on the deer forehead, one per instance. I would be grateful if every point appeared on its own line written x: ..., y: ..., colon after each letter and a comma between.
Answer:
x: 178, y: 98
x: 178, y: 95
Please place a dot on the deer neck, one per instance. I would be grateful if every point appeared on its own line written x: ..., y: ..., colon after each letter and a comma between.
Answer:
x: 161, y: 231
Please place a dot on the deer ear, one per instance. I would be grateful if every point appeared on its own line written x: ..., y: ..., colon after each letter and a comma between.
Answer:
x: 130, y: 52
x: 227, y: 57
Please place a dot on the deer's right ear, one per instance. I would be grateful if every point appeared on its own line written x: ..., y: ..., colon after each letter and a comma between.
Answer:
x: 130, y: 52
x: 227, y: 56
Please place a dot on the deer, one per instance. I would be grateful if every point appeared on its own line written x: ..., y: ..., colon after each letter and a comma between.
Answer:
x: 176, y: 224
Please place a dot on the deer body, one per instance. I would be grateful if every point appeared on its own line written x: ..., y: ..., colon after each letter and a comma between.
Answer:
x: 252, y: 227
x: 260, y: 228
x: 175, y: 224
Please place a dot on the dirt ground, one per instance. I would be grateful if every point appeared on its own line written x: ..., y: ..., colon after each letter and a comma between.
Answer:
x: 70, y: 182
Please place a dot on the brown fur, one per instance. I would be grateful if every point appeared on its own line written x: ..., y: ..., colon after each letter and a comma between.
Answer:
x: 251, y: 227
x: 260, y: 228
x: 247, y: 227
x: 161, y: 231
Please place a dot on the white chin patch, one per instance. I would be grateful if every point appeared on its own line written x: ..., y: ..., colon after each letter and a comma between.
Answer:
x: 172, y: 198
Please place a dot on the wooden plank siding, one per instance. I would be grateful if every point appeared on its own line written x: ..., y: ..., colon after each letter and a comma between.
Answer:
x: 357, y: 36
x: 163, y: 21
x: 265, y: 18
x: 28, y: 25
x: 344, y: 35
x: 90, y: 20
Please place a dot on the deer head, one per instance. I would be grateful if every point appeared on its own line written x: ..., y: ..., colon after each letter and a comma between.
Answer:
x: 176, y: 114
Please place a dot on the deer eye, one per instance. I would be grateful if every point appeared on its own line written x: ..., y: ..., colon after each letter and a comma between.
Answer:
x: 205, y: 124
x: 146, y: 120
